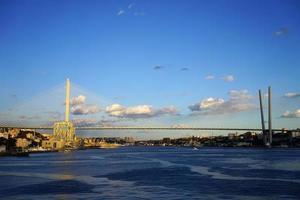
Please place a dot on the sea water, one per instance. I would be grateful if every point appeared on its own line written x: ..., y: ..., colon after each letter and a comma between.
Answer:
x: 153, y: 173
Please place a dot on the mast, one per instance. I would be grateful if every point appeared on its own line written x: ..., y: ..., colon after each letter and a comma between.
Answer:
x: 262, y: 117
x: 270, y: 115
x: 67, y: 116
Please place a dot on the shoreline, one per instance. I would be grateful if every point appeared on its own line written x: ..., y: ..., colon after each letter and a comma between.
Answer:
x: 27, y: 153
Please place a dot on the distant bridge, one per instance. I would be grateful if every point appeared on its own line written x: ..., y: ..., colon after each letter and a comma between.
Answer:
x: 66, y: 127
x: 142, y: 128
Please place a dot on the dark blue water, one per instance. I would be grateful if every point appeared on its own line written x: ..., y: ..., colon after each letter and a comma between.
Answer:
x: 153, y: 173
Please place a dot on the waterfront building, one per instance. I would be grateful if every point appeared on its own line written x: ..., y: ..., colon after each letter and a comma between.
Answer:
x: 23, y: 143
x: 232, y: 135
x: 53, y: 144
x: 295, y: 133
x: 14, y: 132
x: 166, y: 141
x: 129, y: 140
x: 2, y: 148
x: 4, y: 135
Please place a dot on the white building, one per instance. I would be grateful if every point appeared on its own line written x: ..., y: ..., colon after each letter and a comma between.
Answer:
x: 2, y: 148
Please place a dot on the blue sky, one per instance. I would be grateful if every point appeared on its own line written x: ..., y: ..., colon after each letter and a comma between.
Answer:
x: 168, y: 56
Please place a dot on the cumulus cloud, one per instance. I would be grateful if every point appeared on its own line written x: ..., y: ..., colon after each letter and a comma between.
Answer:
x: 130, y: 5
x: 121, y: 12
x: 288, y: 114
x: 207, y: 103
x: 84, y: 122
x: 228, y: 78
x: 291, y: 95
x: 92, y: 122
x: 209, y: 77
x: 140, y: 111
x: 84, y: 109
x: 79, y: 106
x: 167, y: 110
x: 239, y: 94
x: 282, y: 31
x: 239, y: 100
x: 78, y: 100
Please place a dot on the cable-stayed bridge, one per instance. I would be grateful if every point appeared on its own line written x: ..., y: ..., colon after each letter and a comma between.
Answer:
x: 65, y: 130
x: 142, y: 128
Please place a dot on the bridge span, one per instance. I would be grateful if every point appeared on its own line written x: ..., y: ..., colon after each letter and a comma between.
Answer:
x: 142, y: 128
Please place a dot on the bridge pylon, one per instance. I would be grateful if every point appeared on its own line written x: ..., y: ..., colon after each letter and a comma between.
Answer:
x: 64, y: 130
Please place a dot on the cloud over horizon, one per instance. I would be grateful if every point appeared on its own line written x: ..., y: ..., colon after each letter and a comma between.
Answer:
x: 139, y: 111
x: 239, y: 100
x: 92, y: 122
x: 85, y: 109
x: 79, y: 107
x: 78, y: 100
x: 288, y: 114
x: 291, y: 95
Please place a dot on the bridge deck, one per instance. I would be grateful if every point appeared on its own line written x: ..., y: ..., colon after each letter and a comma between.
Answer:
x: 148, y: 128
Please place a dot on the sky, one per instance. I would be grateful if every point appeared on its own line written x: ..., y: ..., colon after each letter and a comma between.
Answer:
x: 191, y: 63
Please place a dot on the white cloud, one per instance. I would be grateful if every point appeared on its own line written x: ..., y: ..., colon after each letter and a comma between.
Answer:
x: 209, y: 77
x: 208, y: 103
x: 281, y: 31
x: 239, y: 100
x: 80, y: 108
x: 121, y: 12
x: 92, y: 122
x: 78, y: 100
x: 239, y: 94
x: 288, y: 114
x: 84, y: 109
x: 140, y: 111
x: 130, y: 5
x: 84, y: 122
x: 115, y: 110
x: 228, y: 78
x: 291, y: 95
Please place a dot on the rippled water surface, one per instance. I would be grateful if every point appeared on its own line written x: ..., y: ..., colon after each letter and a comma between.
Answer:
x: 153, y: 173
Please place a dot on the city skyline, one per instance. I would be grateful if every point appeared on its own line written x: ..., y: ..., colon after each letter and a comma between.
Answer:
x: 136, y: 63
